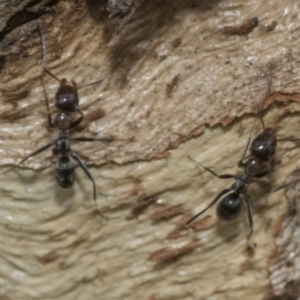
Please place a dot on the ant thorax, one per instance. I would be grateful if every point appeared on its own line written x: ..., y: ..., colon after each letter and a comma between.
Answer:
x: 242, y: 180
x: 254, y: 167
x: 63, y: 121
x: 62, y: 144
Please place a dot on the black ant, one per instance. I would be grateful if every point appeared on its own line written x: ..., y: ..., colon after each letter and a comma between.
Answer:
x: 262, y: 150
x: 65, y: 167
x: 66, y: 99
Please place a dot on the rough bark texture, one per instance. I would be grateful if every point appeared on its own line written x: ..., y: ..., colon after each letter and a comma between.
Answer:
x: 182, y: 78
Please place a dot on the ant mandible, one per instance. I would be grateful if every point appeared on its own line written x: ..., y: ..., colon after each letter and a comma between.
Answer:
x: 66, y: 100
x: 262, y: 150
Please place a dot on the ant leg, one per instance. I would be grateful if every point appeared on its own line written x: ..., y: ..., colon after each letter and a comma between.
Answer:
x: 214, y: 201
x: 50, y: 123
x: 240, y: 163
x: 250, y: 214
x: 36, y: 152
x: 263, y: 174
x: 289, y: 139
x: 76, y: 122
x: 52, y: 75
x: 285, y: 185
x: 88, y: 174
x: 104, y: 140
x: 265, y: 185
x: 223, y: 176
x: 82, y: 86
x: 84, y: 139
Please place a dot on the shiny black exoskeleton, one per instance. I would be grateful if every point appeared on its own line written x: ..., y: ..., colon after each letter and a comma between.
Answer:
x: 262, y: 149
x: 66, y: 101
x: 264, y: 145
x: 67, y: 161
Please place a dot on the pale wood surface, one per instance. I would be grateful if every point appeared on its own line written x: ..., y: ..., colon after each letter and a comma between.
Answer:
x: 181, y: 87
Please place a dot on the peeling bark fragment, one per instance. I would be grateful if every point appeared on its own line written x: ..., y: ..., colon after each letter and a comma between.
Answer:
x: 123, y: 9
x: 21, y: 22
x: 49, y: 257
x: 140, y: 206
x: 16, y: 113
x: 270, y: 27
x: 89, y: 117
x: 172, y: 86
x: 284, y: 273
x: 166, y: 212
x: 203, y: 224
x: 244, y: 29
x: 199, y: 225
x: 18, y: 11
x: 166, y: 254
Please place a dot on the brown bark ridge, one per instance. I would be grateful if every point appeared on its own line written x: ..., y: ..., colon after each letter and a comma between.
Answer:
x: 182, y: 78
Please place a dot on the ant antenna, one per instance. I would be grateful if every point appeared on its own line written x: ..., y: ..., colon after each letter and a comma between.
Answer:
x: 269, y: 76
x: 284, y: 185
x: 61, y: 81
x: 93, y: 83
x: 240, y: 163
x: 42, y: 35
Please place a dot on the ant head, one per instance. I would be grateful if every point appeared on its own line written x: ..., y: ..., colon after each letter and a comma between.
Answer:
x: 66, y: 97
x: 63, y: 121
x: 65, y: 172
x: 254, y: 166
x: 264, y: 145
x: 229, y: 206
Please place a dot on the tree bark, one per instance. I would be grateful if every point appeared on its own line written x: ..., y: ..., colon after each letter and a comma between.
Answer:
x: 183, y: 78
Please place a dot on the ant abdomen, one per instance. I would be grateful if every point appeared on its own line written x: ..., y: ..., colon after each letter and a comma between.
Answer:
x: 65, y: 172
x: 229, y: 206
x: 66, y: 98
x: 264, y: 145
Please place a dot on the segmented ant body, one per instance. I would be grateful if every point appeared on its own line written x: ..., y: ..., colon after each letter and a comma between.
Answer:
x: 262, y: 150
x: 66, y: 101
x: 65, y: 166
